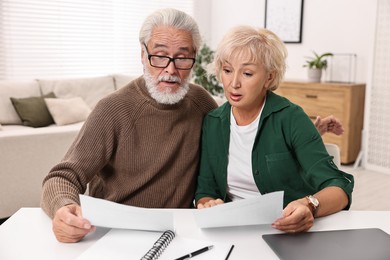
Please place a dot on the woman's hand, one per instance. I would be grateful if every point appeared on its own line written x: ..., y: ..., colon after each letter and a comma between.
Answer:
x: 297, y: 217
x: 208, y: 202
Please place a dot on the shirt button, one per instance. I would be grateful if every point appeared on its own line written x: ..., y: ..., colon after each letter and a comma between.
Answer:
x: 257, y: 172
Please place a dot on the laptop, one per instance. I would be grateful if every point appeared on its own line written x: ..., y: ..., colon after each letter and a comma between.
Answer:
x: 354, y: 244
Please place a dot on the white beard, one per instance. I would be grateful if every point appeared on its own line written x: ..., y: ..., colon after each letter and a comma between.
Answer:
x: 166, y: 96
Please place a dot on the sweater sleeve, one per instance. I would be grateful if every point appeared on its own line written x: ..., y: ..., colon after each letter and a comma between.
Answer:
x: 88, y: 154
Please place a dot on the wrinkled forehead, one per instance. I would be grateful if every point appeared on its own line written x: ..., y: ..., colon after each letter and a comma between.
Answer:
x: 171, y: 36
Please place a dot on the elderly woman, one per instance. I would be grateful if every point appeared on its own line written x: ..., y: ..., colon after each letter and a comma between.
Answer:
x: 259, y: 142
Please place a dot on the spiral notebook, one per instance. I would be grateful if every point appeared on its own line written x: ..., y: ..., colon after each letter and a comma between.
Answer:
x: 159, y: 246
x: 135, y: 244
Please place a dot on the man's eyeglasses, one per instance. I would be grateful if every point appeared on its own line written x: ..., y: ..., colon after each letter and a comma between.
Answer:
x: 159, y: 61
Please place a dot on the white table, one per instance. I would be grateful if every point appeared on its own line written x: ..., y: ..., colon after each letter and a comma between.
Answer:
x: 28, y: 234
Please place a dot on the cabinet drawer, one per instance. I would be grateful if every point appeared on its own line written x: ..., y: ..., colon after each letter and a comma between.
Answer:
x: 344, y: 101
x: 316, y: 102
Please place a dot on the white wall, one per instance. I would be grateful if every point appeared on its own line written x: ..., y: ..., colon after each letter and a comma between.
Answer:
x: 338, y: 26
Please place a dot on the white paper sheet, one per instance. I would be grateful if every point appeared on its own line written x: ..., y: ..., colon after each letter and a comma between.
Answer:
x: 105, y: 213
x: 125, y: 244
x: 264, y: 209
x: 259, y: 210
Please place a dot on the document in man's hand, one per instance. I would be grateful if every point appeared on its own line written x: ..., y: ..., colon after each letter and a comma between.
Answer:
x: 253, y: 211
x: 134, y: 244
x: 105, y: 213
x: 258, y: 210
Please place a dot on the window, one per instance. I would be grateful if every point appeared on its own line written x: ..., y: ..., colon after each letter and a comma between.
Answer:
x: 73, y: 38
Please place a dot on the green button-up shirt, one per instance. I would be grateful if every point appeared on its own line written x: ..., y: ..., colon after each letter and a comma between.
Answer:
x: 288, y: 154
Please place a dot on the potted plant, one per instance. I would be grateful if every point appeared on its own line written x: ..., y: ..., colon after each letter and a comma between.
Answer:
x: 200, y: 75
x: 315, y: 65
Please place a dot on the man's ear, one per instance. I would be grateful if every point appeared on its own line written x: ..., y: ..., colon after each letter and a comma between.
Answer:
x: 143, y: 55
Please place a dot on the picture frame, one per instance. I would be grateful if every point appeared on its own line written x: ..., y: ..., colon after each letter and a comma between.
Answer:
x: 285, y: 19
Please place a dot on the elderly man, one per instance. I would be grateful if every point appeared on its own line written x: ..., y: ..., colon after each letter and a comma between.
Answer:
x: 140, y: 145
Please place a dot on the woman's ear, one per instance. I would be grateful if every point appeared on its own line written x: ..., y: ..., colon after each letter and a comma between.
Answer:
x: 270, y: 78
x: 271, y: 75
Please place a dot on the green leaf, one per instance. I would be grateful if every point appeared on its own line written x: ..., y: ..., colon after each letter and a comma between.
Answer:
x: 209, y: 82
x: 317, y: 61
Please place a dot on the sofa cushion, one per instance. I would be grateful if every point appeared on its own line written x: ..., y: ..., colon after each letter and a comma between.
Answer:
x: 68, y: 110
x: 21, y: 130
x: 17, y: 89
x: 91, y: 90
x: 33, y: 110
x: 122, y: 80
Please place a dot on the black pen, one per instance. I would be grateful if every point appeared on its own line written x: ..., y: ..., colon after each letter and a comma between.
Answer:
x: 230, y: 251
x: 197, y: 252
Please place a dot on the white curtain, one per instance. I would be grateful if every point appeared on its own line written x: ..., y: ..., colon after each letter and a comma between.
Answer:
x: 376, y: 141
x: 73, y: 38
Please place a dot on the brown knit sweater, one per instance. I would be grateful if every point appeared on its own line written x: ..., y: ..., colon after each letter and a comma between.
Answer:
x: 133, y: 151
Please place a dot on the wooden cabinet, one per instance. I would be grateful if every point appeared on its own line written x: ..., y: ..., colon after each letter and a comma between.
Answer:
x: 344, y: 101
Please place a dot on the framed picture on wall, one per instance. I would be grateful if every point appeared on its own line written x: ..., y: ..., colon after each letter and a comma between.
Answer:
x: 285, y: 17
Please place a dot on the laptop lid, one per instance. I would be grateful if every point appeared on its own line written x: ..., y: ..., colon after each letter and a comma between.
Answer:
x: 356, y: 244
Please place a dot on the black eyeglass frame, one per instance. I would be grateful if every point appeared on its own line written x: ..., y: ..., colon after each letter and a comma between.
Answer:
x: 150, y: 56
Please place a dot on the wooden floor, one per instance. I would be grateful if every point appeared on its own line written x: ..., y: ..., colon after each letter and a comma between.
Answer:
x: 372, y: 189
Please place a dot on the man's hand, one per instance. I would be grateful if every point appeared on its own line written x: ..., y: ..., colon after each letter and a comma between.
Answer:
x: 69, y: 225
x: 297, y: 217
x: 329, y: 124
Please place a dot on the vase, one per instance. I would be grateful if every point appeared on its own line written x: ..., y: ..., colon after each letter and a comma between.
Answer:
x: 314, y: 75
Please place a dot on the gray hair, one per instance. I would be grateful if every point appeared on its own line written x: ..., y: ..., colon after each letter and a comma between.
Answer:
x: 263, y: 46
x: 173, y: 18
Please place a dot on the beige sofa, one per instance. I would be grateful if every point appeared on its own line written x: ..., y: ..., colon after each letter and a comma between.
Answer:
x: 27, y: 153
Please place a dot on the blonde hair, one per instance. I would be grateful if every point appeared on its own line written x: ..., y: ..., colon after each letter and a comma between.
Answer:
x: 264, y: 47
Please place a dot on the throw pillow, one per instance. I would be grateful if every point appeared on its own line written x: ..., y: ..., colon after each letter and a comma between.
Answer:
x: 33, y: 110
x: 17, y: 89
x: 68, y: 110
x: 91, y: 90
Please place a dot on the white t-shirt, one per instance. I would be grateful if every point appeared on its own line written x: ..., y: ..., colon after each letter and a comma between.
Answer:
x: 241, y: 183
